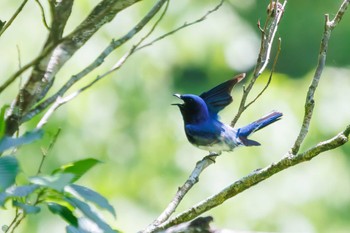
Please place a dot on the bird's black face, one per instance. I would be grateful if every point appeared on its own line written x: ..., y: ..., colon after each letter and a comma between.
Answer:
x: 193, y: 109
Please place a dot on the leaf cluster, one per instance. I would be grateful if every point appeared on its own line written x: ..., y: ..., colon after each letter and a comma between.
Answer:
x: 58, y: 191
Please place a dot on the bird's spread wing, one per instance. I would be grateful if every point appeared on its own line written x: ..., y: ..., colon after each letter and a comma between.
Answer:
x: 219, y: 97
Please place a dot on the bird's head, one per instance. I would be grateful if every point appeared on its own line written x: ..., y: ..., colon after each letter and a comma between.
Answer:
x: 193, y: 108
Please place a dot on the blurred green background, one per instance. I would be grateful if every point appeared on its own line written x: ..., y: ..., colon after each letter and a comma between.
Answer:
x: 127, y: 121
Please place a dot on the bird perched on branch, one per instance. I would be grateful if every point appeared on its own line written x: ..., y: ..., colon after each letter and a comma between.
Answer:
x: 202, y: 126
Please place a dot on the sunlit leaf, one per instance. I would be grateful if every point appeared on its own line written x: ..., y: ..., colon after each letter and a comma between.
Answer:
x: 22, y: 191
x: 90, y: 195
x: 77, y: 168
x: 9, y: 142
x: 57, y: 181
x: 9, y: 168
x: 64, y: 212
x: 28, y: 209
x: 89, y: 213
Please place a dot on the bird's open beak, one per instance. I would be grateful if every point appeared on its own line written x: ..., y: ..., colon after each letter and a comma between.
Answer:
x: 178, y: 96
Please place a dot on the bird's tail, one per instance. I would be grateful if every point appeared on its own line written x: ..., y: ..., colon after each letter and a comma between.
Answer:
x: 244, y: 132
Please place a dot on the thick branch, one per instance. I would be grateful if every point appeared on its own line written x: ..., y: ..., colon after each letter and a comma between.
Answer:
x: 256, y: 177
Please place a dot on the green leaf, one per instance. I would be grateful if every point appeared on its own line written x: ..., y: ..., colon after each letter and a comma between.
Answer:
x: 57, y: 181
x: 64, y: 212
x: 90, y: 195
x: 9, y: 169
x: 20, y: 191
x: 89, y: 213
x: 3, y: 197
x: 28, y: 209
x: 2, y: 120
x: 9, y: 142
x: 78, y: 168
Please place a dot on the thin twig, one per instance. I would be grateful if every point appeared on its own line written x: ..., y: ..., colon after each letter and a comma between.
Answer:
x: 45, y: 152
x: 18, y: 222
x: 183, y: 26
x: 267, y: 38
x: 43, y: 14
x: 310, y: 102
x: 17, y: 215
x: 271, y: 74
x: 59, y: 102
x: 8, y: 24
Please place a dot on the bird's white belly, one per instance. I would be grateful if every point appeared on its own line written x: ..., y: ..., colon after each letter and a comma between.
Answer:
x: 217, y: 147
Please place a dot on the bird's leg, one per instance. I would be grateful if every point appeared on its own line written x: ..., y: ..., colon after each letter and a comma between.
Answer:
x: 212, y: 156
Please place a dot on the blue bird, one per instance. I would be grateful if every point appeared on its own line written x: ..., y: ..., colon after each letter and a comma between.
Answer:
x: 202, y: 126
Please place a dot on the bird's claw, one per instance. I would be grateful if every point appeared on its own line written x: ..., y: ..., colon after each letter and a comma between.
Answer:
x: 212, y: 156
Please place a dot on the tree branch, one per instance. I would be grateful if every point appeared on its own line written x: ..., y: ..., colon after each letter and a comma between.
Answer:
x: 8, y: 24
x: 45, y: 70
x: 310, y: 101
x: 109, y: 49
x: 267, y: 37
x: 256, y: 177
x: 259, y: 175
x: 114, y: 44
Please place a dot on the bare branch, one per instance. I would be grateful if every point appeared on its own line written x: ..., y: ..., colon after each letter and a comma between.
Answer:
x: 42, y: 14
x: 110, y: 48
x: 183, y: 26
x: 310, y: 102
x: 98, y: 61
x: 45, y: 152
x: 267, y: 38
x: 8, y: 24
x: 256, y: 177
x: 44, y: 72
x: 271, y: 73
x: 181, y: 192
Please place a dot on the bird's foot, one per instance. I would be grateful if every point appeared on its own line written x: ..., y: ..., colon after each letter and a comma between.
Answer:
x: 212, y: 156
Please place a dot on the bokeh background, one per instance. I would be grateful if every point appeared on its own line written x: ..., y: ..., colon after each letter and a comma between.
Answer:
x: 127, y: 121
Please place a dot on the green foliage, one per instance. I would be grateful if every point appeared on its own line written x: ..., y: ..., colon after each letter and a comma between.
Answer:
x: 57, y: 192
x: 8, y: 171
x: 77, y: 168
x: 7, y: 142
